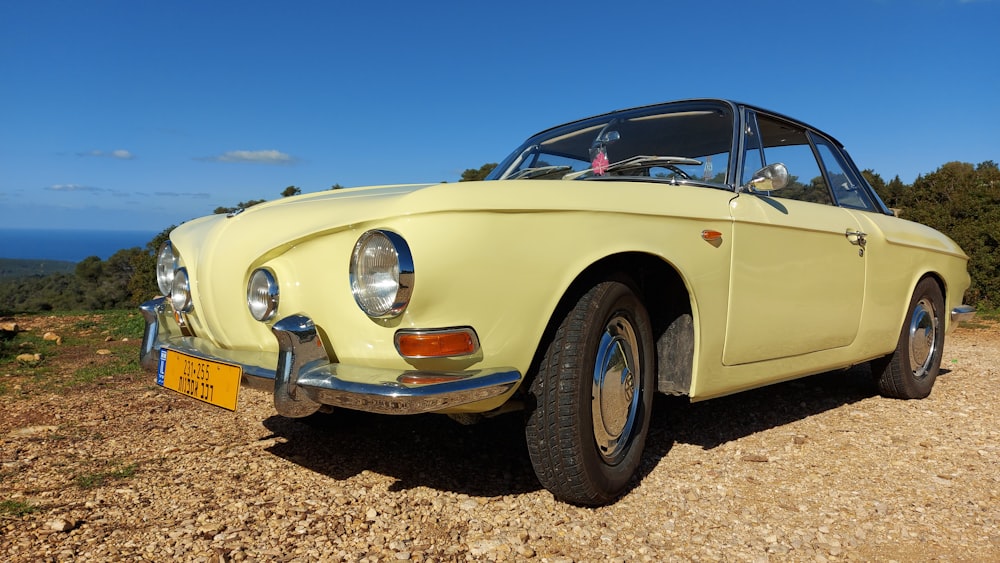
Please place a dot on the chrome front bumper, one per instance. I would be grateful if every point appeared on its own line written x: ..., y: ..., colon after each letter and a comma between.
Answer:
x: 302, y: 378
x: 962, y: 313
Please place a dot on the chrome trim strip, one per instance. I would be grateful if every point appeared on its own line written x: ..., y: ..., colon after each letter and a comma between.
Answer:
x: 303, y: 379
x: 963, y: 313
x: 329, y: 385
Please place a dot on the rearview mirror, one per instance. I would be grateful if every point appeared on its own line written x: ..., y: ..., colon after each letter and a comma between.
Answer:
x: 609, y: 137
x: 767, y: 179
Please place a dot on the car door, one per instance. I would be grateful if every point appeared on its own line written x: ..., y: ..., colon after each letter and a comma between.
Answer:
x: 798, y: 264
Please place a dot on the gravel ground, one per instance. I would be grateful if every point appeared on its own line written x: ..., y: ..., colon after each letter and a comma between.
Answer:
x: 821, y: 469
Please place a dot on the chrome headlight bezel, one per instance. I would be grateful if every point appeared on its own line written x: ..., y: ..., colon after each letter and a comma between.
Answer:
x: 382, y: 274
x: 180, y: 291
x: 262, y: 295
x: 167, y: 262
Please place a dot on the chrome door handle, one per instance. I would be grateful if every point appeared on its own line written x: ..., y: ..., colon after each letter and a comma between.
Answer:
x: 856, y: 237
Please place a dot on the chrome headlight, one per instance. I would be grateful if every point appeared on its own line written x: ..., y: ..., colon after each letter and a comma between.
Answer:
x: 180, y: 291
x: 166, y: 265
x: 262, y: 295
x: 381, y: 274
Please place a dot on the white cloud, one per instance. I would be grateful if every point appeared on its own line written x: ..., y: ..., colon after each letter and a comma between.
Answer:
x: 120, y: 154
x: 260, y: 157
x: 197, y: 195
x: 74, y: 188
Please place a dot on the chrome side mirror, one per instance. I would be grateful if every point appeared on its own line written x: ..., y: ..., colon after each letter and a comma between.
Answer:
x: 767, y: 179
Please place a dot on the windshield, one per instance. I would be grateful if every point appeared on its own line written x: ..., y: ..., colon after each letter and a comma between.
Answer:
x: 689, y: 142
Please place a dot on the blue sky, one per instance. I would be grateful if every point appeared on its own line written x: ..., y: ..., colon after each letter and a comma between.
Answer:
x: 126, y: 115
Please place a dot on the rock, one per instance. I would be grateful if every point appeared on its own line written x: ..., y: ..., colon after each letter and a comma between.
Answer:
x: 8, y: 331
x: 109, y: 339
x: 525, y: 551
x: 756, y: 458
x: 52, y: 337
x: 104, y: 352
x: 61, y: 525
x: 32, y: 431
x: 29, y: 359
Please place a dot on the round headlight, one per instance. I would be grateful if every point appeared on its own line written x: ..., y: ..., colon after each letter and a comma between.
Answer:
x: 381, y: 274
x: 166, y: 265
x: 262, y: 295
x: 180, y: 291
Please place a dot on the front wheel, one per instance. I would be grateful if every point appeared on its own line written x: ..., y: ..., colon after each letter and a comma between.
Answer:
x: 593, y: 394
x: 910, y: 371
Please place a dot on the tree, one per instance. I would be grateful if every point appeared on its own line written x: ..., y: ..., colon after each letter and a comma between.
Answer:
x: 90, y: 269
x: 290, y: 191
x: 336, y: 187
x: 472, y: 174
x: 963, y: 202
x: 240, y: 205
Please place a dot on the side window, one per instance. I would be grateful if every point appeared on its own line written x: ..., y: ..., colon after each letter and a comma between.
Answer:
x: 789, y: 144
x: 846, y: 187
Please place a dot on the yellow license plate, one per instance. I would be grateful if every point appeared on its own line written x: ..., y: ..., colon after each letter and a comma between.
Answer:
x: 215, y: 383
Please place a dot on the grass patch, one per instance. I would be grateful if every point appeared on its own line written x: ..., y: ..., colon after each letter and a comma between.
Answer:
x: 8, y: 348
x: 96, y: 479
x: 988, y: 314
x: 85, y: 324
x: 24, y: 343
x: 15, y: 508
x: 114, y: 367
x: 986, y: 317
x: 125, y: 324
x: 72, y: 363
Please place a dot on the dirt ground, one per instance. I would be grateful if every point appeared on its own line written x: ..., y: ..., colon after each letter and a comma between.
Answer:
x: 820, y: 469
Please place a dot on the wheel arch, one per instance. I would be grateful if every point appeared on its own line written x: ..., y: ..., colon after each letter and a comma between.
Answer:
x: 939, y: 280
x: 668, y: 300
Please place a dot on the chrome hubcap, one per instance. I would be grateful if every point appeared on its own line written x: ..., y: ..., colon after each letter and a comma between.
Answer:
x: 615, y: 401
x: 923, y: 338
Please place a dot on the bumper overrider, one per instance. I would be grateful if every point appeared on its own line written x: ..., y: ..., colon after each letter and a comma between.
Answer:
x: 303, y: 380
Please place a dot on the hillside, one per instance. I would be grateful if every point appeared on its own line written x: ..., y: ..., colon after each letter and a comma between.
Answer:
x: 15, y: 268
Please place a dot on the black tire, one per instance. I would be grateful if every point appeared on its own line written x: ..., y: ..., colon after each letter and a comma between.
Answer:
x: 587, y: 430
x: 910, y: 371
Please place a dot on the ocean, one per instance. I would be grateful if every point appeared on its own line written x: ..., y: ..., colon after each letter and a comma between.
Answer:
x: 71, y: 245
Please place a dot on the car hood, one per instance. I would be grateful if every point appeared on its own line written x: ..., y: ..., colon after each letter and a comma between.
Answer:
x: 269, y: 229
x: 220, y: 250
x: 288, y: 221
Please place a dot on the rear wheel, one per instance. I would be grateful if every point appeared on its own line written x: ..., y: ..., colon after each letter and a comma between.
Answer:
x: 910, y: 371
x: 593, y: 395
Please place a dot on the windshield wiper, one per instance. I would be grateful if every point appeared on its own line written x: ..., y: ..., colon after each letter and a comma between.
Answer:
x: 638, y: 161
x: 537, y: 171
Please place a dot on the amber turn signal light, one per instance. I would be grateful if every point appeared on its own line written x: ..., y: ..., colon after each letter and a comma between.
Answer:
x: 445, y: 343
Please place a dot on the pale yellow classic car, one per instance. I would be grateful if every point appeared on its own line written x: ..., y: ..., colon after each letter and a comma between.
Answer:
x: 695, y: 248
